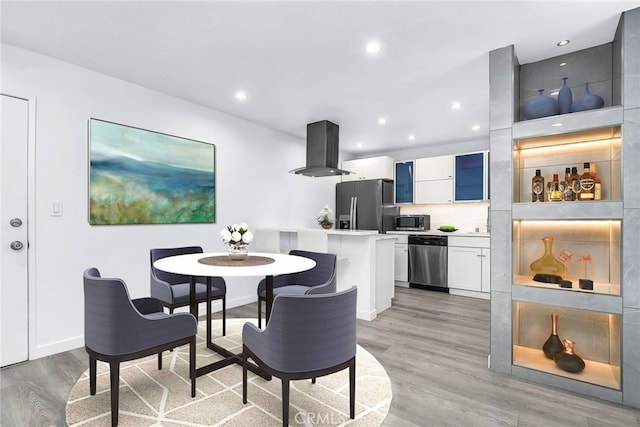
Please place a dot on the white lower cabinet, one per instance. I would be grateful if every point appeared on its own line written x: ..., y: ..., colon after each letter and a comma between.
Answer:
x: 402, y: 262
x: 468, y: 264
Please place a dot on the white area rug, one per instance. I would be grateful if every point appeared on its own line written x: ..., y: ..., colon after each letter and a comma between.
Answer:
x: 149, y: 397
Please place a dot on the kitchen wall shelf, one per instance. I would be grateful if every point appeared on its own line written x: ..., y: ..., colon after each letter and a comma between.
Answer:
x: 603, y: 321
x: 564, y: 210
x: 564, y: 297
x: 597, y: 337
x: 598, y: 373
x: 572, y: 122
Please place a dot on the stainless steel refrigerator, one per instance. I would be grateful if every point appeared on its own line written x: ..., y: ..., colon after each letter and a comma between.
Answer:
x: 366, y: 205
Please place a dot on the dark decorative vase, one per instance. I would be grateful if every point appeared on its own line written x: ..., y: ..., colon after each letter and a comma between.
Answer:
x: 567, y: 360
x: 541, y: 106
x: 564, y: 97
x: 553, y: 345
x: 587, y: 101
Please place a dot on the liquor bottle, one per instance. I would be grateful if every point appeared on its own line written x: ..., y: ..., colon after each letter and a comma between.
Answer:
x: 575, y: 183
x: 555, y: 195
x: 537, y: 187
x: 597, y: 186
x: 568, y: 194
x: 587, y: 184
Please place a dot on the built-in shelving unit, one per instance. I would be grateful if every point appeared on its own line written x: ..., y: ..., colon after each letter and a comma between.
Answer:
x: 595, y: 239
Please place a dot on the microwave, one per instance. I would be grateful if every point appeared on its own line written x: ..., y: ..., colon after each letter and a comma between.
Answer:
x: 413, y: 222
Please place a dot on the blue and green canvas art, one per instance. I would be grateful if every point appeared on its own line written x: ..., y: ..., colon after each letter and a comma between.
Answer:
x: 143, y: 177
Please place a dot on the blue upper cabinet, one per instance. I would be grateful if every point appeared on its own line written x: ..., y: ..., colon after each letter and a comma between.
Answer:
x: 404, y: 182
x: 470, y: 177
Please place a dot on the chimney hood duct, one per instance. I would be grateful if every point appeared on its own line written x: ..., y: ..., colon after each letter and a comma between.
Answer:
x: 322, y: 151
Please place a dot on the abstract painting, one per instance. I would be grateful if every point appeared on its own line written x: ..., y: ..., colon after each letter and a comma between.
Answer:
x: 142, y: 177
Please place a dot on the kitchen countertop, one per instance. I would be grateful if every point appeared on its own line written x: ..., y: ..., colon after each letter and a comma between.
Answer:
x: 443, y: 233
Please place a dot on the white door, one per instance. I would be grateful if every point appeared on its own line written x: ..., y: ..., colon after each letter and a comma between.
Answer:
x: 14, y: 313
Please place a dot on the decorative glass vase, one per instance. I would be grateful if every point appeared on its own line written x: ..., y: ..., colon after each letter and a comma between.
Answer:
x: 565, y: 97
x: 567, y: 360
x: 553, y: 345
x: 327, y: 226
x: 547, y: 264
x: 238, y: 251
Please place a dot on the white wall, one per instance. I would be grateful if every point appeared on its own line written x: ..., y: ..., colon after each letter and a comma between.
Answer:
x: 252, y: 185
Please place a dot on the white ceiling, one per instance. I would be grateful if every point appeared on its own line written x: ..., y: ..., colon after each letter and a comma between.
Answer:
x: 302, y: 62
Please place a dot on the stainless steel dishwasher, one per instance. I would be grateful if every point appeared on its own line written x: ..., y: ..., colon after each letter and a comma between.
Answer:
x: 428, y: 262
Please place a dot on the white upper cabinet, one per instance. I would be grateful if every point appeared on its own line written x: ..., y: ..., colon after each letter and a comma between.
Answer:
x: 372, y: 168
x: 431, y: 168
x: 434, y: 180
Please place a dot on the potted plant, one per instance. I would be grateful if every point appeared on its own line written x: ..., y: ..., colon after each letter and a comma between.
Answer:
x: 325, y: 219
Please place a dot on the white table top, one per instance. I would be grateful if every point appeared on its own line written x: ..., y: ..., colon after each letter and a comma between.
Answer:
x: 189, y: 265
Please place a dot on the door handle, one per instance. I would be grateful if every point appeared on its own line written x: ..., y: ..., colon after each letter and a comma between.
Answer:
x: 16, y: 245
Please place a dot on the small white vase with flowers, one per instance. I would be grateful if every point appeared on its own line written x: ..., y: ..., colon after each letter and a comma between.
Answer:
x: 238, y: 237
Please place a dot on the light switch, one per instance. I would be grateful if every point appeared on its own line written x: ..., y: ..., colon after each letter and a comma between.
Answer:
x: 56, y: 208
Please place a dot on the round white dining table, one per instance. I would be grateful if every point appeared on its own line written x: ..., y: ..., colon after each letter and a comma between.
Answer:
x: 199, y: 265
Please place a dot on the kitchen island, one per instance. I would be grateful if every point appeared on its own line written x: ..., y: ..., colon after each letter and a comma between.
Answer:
x: 365, y: 260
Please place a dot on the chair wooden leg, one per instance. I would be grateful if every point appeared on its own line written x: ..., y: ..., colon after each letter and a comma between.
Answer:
x: 313, y: 380
x: 285, y: 402
x: 259, y: 313
x: 244, y: 375
x: 352, y: 389
x: 114, y: 372
x: 160, y: 361
x: 192, y: 365
x: 92, y: 375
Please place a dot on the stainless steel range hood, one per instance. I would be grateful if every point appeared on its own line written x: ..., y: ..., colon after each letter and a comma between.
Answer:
x: 322, y: 151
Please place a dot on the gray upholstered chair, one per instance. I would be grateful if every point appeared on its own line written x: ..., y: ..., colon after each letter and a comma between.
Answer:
x: 117, y: 329
x: 321, y: 279
x: 173, y: 289
x: 307, y: 336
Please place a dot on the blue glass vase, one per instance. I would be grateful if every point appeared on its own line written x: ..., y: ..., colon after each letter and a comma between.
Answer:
x: 564, y: 97
x: 588, y: 101
x: 541, y: 106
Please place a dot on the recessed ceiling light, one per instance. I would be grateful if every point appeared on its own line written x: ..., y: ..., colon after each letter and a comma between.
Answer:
x: 411, y: 137
x: 563, y: 42
x: 359, y: 145
x: 556, y: 124
x: 475, y: 127
x: 372, y: 47
x: 562, y: 64
x: 382, y: 121
x: 241, y: 95
x: 455, y: 106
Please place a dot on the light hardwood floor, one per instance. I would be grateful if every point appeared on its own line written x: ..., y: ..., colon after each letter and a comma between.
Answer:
x: 434, y: 347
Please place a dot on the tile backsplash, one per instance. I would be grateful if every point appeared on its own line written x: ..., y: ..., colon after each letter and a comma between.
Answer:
x: 464, y: 216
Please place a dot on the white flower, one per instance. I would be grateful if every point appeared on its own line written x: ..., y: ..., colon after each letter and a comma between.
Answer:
x: 226, y: 235
x: 236, y: 234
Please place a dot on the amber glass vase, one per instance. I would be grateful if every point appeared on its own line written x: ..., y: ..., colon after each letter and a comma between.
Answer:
x: 547, y: 264
x: 553, y: 345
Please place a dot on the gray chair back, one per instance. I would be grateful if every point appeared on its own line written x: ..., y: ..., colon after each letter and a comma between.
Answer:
x: 112, y: 324
x: 307, y: 332
x: 171, y: 278
x: 323, y: 273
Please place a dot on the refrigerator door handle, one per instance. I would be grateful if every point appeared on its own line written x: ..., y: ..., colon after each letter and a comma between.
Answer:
x: 352, y: 213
